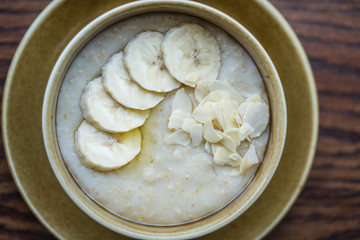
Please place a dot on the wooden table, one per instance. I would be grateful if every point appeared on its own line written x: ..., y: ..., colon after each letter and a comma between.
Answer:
x: 329, y: 206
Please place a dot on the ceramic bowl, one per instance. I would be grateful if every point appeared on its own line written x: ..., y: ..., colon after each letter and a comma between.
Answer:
x: 265, y: 171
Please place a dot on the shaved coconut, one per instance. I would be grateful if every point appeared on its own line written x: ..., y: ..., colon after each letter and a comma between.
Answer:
x: 182, y: 101
x: 194, y: 102
x: 187, y: 123
x: 228, y: 142
x: 212, y: 97
x: 208, y: 147
x: 196, y: 131
x: 244, y: 106
x: 237, y: 119
x: 179, y: 137
x: 234, y: 133
x: 250, y: 159
x: 203, y: 113
x: 210, y: 133
x: 201, y: 90
x: 245, y: 130
x: 214, y: 146
x: 257, y: 116
x: 254, y: 99
x: 177, y: 118
x: 226, y: 88
x: 242, y: 109
x: 235, y: 157
x: 256, y: 113
x: 221, y: 121
x: 221, y: 156
x: 215, y: 96
x: 229, y: 112
x: 209, y: 104
x: 217, y: 108
x: 235, y: 172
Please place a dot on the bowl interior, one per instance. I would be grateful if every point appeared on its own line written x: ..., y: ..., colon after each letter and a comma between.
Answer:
x: 266, y: 168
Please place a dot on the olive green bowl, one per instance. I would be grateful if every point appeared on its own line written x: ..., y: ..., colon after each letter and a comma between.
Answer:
x: 278, y: 123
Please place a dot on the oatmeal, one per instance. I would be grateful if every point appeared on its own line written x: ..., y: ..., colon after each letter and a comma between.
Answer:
x: 197, y: 129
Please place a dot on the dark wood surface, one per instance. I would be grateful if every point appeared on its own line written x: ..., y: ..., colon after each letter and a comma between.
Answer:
x: 329, y: 206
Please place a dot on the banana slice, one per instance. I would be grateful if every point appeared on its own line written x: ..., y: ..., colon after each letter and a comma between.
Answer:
x: 104, y: 113
x: 103, y: 151
x: 119, y: 85
x: 191, y: 54
x: 145, y: 63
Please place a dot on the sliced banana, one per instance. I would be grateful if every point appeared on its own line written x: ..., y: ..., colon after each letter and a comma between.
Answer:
x: 103, y: 151
x: 128, y: 93
x: 191, y: 54
x: 144, y: 61
x: 101, y: 110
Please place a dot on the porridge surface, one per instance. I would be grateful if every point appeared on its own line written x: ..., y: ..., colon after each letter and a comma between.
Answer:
x: 164, y: 184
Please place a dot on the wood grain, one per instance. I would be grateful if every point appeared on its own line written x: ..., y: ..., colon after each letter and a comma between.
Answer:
x: 329, y: 206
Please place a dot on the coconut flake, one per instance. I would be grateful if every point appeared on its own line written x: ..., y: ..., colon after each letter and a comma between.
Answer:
x: 229, y: 112
x: 187, y: 123
x: 210, y: 134
x: 225, y: 87
x: 196, y: 132
x: 217, y: 108
x: 221, y: 155
x: 256, y: 113
x: 208, y: 147
x: 182, y: 102
x: 250, y: 159
x: 201, y: 90
x: 228, y: 142
x: 234, y: 133
x: 177, y: 118
x: 236, y: 159
x: 179, y: 137
x: 203, y: 113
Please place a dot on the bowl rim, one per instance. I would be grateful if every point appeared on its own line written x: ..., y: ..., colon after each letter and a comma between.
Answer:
x: 76, y: 44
